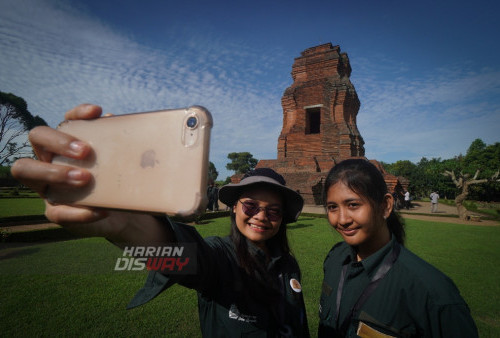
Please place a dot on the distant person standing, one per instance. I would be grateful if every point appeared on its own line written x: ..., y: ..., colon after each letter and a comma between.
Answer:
x: 210, y: 196
x: 215, y: 197
x: 396, y: 200
x: 434, y: 201
x: 407, y: 199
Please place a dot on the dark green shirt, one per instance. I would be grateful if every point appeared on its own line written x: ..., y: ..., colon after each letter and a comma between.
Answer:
x: 414, y: 299
x: 230, y: 302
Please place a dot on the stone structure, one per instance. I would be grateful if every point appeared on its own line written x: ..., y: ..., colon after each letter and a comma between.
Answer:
x: 319, y: 110
x: 319, y: 122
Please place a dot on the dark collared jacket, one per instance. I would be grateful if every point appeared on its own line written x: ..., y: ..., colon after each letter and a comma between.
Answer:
x: 230, y: 302
x: 414, y: 299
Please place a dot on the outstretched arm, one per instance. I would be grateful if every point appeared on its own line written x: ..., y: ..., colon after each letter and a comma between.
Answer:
x: 38, y: 174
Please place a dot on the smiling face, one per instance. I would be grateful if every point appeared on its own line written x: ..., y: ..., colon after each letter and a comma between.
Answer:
x: 362, y: 225
x: 259, y: 228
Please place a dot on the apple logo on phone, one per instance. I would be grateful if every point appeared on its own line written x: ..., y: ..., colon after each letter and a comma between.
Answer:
x: 148, y: 159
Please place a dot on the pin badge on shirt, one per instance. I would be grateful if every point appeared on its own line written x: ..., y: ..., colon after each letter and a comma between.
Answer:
x: 295, y: 285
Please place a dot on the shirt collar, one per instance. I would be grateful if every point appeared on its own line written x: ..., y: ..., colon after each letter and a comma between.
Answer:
x: 371, y: 264
x: 275, y: 254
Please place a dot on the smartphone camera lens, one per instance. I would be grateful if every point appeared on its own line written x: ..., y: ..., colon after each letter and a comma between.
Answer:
x: 192, y: 122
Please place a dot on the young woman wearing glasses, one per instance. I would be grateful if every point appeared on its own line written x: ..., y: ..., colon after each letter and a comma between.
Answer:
x: 248, y: 283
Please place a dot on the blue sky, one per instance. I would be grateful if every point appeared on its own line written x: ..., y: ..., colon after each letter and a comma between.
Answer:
x: 427, y: 72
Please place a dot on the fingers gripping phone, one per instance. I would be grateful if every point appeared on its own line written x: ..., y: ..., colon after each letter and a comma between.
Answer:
x: 153, y: 162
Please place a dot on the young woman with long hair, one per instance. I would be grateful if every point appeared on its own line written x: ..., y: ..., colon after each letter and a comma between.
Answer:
x: 372, y: 283
x: 248, y: 283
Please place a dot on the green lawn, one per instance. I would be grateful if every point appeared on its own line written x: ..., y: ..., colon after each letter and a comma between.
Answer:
x: 21, y: 207
x: 69, y: 288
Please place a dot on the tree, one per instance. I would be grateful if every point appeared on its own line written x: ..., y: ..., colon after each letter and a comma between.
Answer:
x: 212, y: 172
x: 463, y: 182
x: 15, y: 121
x: 241, y: 162
x: 476, y: 146
x: 407, y: 170
x: 426, y: 175
x: 402, y: 168
x: 487, y: 159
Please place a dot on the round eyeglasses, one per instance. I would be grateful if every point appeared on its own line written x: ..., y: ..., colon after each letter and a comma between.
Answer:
x: 252, y: 208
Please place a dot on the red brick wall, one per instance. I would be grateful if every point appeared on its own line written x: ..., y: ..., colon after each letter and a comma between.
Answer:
x: 321, y: 80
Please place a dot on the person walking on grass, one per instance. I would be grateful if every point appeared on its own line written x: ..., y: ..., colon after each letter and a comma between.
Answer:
x: 248, y: 283
x: 373, y: 286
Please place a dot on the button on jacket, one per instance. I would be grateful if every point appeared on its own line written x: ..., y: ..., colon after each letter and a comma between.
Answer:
x: 230, y: 303
x: 414, y: 299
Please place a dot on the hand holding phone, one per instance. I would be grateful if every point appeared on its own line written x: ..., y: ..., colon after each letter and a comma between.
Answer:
x: 154, y: 162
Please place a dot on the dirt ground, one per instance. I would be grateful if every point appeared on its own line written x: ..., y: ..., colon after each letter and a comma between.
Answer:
x: 445, y: 214
x: 443, y: 210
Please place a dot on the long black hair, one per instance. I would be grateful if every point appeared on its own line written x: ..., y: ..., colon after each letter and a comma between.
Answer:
x: 260, y: 285
x: 366, y: 180
x: 246, y: 260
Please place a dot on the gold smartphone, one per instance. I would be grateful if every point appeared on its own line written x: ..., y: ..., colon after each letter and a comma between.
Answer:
x: 153, y: 162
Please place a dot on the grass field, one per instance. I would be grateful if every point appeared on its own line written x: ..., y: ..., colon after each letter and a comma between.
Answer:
x: 69, y: 288
x: 21, y: 206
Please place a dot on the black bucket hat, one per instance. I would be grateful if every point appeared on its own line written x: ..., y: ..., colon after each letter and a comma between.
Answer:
x: 230, y: 193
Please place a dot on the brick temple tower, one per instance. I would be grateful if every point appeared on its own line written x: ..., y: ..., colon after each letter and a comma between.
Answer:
x: 319, y: 111
x: 319, y: 122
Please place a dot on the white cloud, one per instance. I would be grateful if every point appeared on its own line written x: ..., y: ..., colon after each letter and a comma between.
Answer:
x: 56, y: 57
x: 434, y: 114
